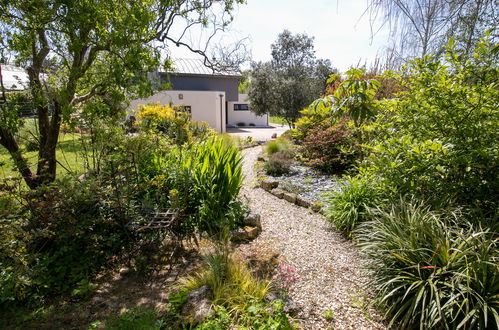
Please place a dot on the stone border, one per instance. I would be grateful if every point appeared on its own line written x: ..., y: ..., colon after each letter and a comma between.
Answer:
x: 272, y: 186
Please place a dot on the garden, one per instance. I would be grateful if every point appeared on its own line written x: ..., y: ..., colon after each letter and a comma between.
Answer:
x: 377, y: 209
x: 409, y: 161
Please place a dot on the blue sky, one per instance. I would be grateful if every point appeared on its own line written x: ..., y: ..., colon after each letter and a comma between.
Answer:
x: 342, y: 34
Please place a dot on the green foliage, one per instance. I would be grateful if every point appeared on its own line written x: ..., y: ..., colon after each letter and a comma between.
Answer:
x: 174, y: 124
x: 331, y: 149
x: 279, y: 163
x: 438, y: 139
x: 88, y: 57
x: 292, y: 80
x: 430, y: 272
x: 281, y: 144
x: 238, y: 296
x: 77, y: 228
x: 435, y: 145
x: 350, y: 207
x: 83, y: 289
x: 233, y: 284
x: 17, y: 102
x: 61, y: 235
x: 136, y: 319
x: 203, y: 180
x: 354, y: 98
x: 15, y: 274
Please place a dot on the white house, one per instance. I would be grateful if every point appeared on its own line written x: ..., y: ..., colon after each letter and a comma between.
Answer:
x: 210, y: 97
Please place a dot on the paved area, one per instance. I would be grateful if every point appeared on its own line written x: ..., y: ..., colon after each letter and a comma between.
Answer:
x: 257, y: 133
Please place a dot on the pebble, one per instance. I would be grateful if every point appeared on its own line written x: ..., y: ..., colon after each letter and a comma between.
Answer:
x: 330, y: 270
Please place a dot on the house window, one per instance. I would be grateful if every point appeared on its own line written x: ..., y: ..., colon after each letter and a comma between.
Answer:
x: 241, y: 107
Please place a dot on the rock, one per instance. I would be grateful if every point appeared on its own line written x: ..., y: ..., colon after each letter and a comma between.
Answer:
x: 268, y: 184
x: 316, y: 207
x: 83, y: 177
x: 279, y: 193
x: 290, y: 307
x: 124, y: 271
x: 246, y: 233
x: 98, y: 300
x: 253, y: 220
x: 270, y: 297
x: 300, y: 201
x: 290, y: 197
x: 198, y: 304
x: 114, y: 305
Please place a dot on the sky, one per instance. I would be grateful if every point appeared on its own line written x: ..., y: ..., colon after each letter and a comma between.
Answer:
x: 342, y: 33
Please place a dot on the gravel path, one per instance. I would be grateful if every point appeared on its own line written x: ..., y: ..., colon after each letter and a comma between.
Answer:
x: 330, y: 273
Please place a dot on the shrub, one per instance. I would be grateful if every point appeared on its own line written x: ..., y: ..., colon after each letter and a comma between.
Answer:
x: 278, y: 164
x: 351, y: 206
x: 175, y: 124
x: 205, y: 179
x: 279, y: 145
x: 331, y: 149
x: 438, y: 139
x: 15, y: 274
x: 76, y: 229
x: 429, y: 272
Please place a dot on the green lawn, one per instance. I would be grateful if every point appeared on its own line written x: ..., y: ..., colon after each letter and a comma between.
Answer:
x: 69, y: 152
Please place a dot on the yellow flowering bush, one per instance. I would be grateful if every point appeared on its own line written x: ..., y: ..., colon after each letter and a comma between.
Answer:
x: 175, y: 123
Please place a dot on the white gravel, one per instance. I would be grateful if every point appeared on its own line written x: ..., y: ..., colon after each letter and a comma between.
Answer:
x: 330, y: 270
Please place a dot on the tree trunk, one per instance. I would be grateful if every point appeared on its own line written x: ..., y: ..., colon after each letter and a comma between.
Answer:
x: 47, y: 163
x: 8, y: 141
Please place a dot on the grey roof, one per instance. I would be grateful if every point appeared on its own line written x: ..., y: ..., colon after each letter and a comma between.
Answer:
x: 14, y: 78
x: 197, y: 67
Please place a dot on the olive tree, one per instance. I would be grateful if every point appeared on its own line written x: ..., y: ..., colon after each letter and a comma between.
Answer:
x: 76, y: 52
x: 291, y: 80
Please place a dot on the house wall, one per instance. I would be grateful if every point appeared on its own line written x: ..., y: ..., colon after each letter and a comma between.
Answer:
x: 207, y: 106
x: 246, y: 117
x: 186, y: 82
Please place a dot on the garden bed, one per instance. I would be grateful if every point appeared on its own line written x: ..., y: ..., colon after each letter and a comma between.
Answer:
x: 307, y: 183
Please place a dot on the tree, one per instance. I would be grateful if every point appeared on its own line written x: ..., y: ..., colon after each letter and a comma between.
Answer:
x: 421, y: 27
x: 89, y: 53
x: 291, y: 80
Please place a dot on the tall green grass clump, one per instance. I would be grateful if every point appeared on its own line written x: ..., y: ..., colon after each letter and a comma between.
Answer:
x: 351, y: 206
x: 279, y: 145
x: 429, y: 272
x: 233, y: 284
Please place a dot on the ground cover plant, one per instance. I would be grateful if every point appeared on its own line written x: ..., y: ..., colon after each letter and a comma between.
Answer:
x: 239, y: 297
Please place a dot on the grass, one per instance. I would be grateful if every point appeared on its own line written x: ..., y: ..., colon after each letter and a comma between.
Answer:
x: 232, y: 282
x: 70, y: 152
x: 432, y: 271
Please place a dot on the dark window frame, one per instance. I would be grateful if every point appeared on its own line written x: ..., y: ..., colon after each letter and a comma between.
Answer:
x: 241, y: 107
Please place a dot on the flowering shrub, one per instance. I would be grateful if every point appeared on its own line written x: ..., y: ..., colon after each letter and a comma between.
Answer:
x: 283, y: 279
x: 174, y: 123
